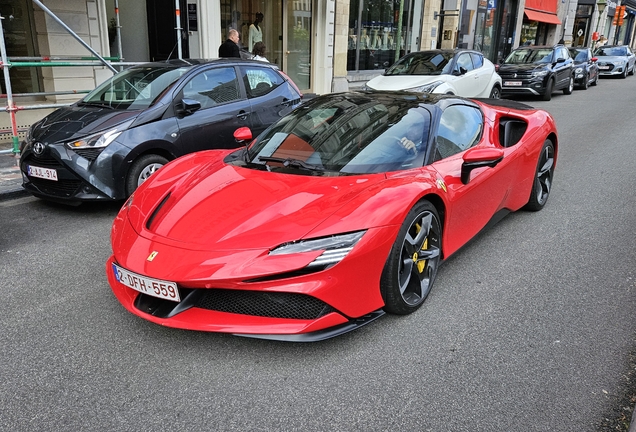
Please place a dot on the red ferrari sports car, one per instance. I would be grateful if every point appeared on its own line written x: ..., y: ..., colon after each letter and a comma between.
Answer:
x: 339, y: 212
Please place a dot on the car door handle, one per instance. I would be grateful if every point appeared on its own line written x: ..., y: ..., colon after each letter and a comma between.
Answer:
x: 242, y: 115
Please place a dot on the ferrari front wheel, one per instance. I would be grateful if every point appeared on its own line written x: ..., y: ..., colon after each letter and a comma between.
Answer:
x: 411, y: 267
x: 543, y: 178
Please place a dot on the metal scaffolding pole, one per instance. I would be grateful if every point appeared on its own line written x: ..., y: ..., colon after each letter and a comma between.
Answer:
x: 7, y: 83
x: 178, y: 28
x: 72, y: 33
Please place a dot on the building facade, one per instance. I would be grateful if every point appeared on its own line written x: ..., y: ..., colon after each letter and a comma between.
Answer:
x: 323, y: 45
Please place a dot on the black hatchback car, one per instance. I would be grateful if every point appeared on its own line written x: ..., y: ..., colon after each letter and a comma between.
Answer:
x: 105, y: 145
x: 537, y: 70
x: 585, y: 67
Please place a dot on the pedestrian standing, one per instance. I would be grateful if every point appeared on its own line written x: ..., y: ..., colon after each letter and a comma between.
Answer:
x: 230, y: 47
x: 259, y: 51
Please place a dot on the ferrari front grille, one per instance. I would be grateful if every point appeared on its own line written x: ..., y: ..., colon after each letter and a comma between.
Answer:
x: 264, y: 304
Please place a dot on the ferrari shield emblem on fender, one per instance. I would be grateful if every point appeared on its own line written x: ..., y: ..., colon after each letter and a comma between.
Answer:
x: 152, y: 256
x: 441, y: 184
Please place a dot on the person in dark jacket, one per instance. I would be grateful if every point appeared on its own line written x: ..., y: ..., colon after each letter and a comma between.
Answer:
x: 230, y: 47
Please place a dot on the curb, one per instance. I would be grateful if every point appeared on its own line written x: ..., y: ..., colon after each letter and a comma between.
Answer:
x: 13, y: 194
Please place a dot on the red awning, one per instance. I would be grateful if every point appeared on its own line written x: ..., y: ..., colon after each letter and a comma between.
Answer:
x: 542, y: 17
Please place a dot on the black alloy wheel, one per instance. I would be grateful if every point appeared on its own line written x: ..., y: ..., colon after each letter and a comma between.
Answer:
x: 543, y: 178
x: 412, y: 264
x: 548, y: 90
x: 142, y: 169
x: 495, y: 93
x: 568, y: 90
x: 586, y: 83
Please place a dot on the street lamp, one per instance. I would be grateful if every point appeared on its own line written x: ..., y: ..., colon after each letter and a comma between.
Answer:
x: 600, y: 5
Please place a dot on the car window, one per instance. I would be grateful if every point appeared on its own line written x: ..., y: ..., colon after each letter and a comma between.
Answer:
x: 563, y: 53
x: 423, y: 63
x: 611, y: 51
x: 579, y: 55
x: 528, y: 55
x: 260, y: 81
x: 135, y: 88
x: 459, y: 129
x: 478, y: 60
x: 464, y: 61
x: 348, y: 136
x: 213, y: 87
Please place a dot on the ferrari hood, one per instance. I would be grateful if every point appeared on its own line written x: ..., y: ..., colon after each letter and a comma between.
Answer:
x: 229, y: 208
x: 77, y: 121
x: 403, y: 82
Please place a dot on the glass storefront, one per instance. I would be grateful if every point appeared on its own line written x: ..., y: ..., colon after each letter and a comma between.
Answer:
x: 378, y: 35
x: 20, y: 42
x: 284, y: 26
x: 581, y: 33
x: 488, y: 26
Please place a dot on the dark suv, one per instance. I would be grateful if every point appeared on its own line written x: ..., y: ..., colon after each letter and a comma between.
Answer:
x: 537, y: 70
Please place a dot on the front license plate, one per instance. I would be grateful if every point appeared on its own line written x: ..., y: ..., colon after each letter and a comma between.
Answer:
x: 153, y: 287
x: 603, y: 67
x: 512, y: 83
x: 44, y: 173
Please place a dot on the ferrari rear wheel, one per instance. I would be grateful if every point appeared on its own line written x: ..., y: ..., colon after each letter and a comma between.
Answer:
x: 411, y: 268
x: 543, y: 178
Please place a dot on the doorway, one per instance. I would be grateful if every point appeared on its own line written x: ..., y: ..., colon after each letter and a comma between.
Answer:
x: 284, y: 26
x: 162, y: 37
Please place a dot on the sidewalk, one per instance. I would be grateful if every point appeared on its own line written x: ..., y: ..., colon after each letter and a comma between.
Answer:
x: 10, y: 177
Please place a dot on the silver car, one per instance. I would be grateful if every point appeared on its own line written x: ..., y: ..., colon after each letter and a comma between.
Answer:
x: 615, y: 60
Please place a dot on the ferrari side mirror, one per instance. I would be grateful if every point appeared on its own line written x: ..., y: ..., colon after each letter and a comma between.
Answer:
x: 479, y: 158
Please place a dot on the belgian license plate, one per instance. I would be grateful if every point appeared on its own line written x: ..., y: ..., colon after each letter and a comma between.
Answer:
x: 153, y: 287
x: 512, y: 83
x: 44, y: 173
x: 603, y: 67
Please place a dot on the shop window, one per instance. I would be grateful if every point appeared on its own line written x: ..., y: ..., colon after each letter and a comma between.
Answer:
x: 375, y: 37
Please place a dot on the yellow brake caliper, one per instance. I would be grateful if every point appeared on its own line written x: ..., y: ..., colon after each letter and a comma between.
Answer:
x: 420, y: 264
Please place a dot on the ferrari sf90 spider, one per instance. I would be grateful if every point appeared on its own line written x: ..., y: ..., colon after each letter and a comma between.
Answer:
x: 339, y: 212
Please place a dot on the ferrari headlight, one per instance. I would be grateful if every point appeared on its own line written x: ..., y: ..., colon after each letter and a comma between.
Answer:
x: 335, y: 248
x: 578, y: 70
x: 98, y: 140
x: 428, y: 88
x: 539, y: 73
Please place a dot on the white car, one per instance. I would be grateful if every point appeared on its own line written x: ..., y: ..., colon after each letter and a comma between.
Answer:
x: 458, y: 72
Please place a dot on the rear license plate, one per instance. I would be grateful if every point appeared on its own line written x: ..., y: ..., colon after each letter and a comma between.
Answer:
x: 44, y: 173
x: 153, y: 287
x: 512, y: 83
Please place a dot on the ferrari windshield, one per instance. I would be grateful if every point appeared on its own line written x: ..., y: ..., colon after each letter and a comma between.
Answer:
x: 423, y: 63
x: 134, y: 89
x: 346, y: 134
x: 530, y: 55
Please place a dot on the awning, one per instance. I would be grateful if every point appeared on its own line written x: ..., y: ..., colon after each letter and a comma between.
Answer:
x: 542, y: 17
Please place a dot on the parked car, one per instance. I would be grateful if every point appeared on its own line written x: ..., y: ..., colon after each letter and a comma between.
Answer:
x: 105, y: 145
x: 585, y: 67
x: 456, y: 72
x: 537, y: 70
x: 336, y: 214
x: 615, y: 60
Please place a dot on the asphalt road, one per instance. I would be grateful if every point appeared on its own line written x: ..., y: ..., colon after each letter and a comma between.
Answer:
x: 528, y: 328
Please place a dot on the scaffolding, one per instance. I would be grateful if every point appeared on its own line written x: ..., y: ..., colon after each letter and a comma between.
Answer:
x: 69, y: 61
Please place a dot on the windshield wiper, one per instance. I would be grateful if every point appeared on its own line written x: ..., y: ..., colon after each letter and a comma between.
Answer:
x: 289, y: 162
x: 96, y: 104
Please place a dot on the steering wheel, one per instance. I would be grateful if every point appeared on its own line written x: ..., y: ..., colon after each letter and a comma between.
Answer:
x: 398, y: 140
